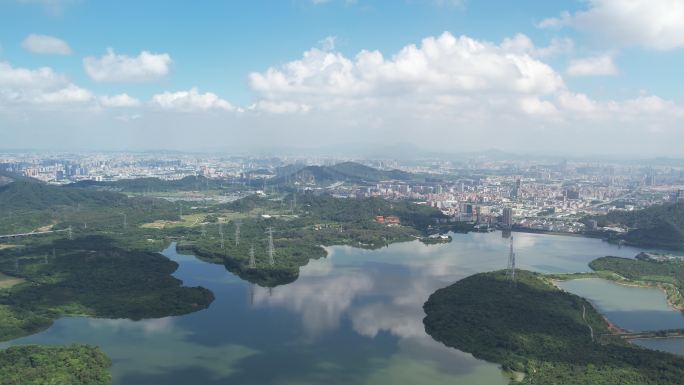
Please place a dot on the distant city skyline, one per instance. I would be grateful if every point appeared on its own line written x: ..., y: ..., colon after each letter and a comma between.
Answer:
x: 595, y: 77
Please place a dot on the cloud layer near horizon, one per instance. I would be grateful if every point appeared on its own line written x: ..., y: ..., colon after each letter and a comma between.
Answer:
x: 447, y: 93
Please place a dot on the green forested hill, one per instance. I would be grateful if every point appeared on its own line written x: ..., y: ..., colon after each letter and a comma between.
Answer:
x: 34, y: 195
x: 143, y: 185
x: 541, y: 331
x: 656, y: 226
x: 106, y: 270
x: 343, y: 172
x: 370, y: 173
x: 26, y: 205
x: 89, y: 276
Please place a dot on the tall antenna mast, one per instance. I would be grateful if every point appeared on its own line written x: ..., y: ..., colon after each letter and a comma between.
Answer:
x: 271, y: 250
x: 510, y: 273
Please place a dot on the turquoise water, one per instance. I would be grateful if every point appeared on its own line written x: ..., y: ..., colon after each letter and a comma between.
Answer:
x: 354, y: 317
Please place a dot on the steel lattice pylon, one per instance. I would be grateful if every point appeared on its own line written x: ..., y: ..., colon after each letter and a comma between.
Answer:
x: 510, y: 272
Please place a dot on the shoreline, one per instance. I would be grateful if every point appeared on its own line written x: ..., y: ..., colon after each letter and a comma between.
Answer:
x: 613, y: 328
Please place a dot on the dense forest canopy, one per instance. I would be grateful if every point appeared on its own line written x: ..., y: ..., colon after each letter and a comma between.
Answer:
x: 48, y: 365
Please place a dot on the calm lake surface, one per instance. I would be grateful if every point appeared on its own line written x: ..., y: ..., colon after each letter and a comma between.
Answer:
x: 631, y: 308
x: 354, y: 317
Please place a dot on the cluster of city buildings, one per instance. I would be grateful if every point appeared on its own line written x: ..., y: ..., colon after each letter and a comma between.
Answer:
x: 536, y: 195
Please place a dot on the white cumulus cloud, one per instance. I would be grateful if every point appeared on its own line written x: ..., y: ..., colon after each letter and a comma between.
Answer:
x: 23, y: 78
x: 522, y: 44
x: 651, y: 24
x: 191, y: 100
x: 602, y: 65
x: 68, y: 94
x: 46, y: 45
x: 38, y: 86
x: 114, y: 67
x: 445, y: 66
x: 121, y: 100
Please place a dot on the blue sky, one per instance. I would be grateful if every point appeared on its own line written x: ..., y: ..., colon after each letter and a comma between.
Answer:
x: 214, y: 46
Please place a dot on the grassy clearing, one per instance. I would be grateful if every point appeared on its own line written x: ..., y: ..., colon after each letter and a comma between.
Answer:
x: 191, y: 220
x: 45, y: 228
x: 227, y: 216
x: 7, y: 282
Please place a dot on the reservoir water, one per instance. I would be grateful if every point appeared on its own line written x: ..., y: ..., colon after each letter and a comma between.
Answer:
x: 354, y: 317
x: 631, y: 308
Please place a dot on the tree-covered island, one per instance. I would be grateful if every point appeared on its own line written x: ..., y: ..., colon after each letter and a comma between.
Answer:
x: 547, y: 335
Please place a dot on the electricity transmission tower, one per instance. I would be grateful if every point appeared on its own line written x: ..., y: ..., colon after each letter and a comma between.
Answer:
x: 204, y: 230
x: 252, y: 260
x: 271, y: 250
x: 221, y: 232
x: 237, y: 232
x: 71, y: 233
x: 510, y: 273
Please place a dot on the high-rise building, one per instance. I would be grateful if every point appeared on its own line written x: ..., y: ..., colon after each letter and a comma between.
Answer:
x: 592, y: 225
x: 507, y: 218
x: 515, y: 192
x: 572, y: 193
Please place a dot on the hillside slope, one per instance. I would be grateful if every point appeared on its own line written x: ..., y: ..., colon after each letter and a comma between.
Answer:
x: 656, y: 226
